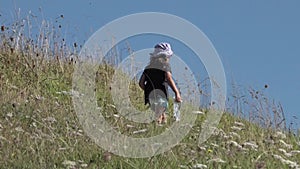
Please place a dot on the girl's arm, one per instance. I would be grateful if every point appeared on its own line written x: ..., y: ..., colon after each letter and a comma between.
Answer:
x: 173, y: 86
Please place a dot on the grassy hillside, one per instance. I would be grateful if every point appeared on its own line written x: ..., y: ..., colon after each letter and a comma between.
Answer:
x: 39, y: 128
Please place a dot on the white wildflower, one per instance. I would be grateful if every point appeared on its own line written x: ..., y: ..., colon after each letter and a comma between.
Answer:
x: 239, y: 124
x: 77, y: 133
x: 294, y: 152
x: 75, y: 93
x: 111, y: 105
x: 200, y: 166
x: 202, y: 148
x: 116, y: 115
x: 280, y: 135
x: 288, y: 154
x: 278, y: 157
x: 289, y: 146
x: 139, y: 131
x: 284, y: 152
x: 64, y: 92
x: 19, y: 129
x: 269, y: 141
x: 234, y: 134
x: 62, y: 148
x: 129, y: 126
x: 236, y: 128
x: 56, y: 103
x: 70, y: 93
x: 215, y: 131
x: 292, y: 164
x: 213, y: 144
x: 235, y: 144
x: 101, y: 130
x: 183, y: 166
x: 198, y: 112
x: 49, y: 119
x: 34, y: 124
x: 38, y: 97
x: 14, y: 87
x: 69, y: 163
x: 186, y: 125
x: 226, y: 137
x: 221, y: 132
x: 250, y: 144
x: 9, y: 114
x: 84, y: 165
x: 284, y: 161
x: 217, y: 160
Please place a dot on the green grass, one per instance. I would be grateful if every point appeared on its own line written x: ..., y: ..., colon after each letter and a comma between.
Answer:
x: 39, y: 127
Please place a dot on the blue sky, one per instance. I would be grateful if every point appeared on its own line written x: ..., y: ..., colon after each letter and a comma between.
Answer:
x: 258, y: 41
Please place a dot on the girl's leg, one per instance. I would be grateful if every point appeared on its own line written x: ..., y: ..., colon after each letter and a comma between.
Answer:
x: 159, y: 115
x: 164, y: 117
x: 159, y: 105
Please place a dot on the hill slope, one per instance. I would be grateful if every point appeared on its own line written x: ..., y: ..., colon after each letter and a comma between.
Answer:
x: 39, y: 127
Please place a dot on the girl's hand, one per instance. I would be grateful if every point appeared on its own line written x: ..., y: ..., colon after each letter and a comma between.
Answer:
x: 178, y: 98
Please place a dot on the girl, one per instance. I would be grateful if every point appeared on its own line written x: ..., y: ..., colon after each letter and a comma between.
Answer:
x: 155, y: 81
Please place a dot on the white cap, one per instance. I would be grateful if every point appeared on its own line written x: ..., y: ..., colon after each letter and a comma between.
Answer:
x: 162, y: 49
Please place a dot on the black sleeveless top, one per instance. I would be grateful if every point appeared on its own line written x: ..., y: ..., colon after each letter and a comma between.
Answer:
x: 155, y: 79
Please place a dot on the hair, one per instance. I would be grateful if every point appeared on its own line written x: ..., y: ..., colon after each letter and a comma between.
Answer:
x: 159, y: 62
